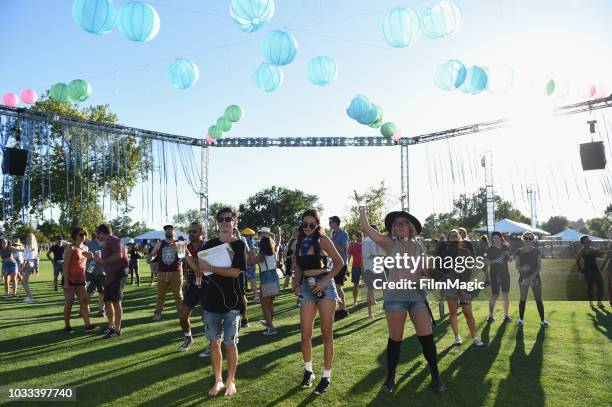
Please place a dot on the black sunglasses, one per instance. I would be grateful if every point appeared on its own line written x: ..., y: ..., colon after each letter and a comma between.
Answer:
x: 528, y: 238
x: 227, y: 219
x: 309, y: 225
x: 82, y: 234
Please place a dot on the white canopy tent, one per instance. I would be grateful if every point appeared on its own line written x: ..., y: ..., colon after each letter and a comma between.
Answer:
x: 158, y: 234
x: 512, y: 227
x: 571, y: 234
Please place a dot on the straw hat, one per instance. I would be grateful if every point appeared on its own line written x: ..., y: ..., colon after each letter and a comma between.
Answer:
x: 247, y: 232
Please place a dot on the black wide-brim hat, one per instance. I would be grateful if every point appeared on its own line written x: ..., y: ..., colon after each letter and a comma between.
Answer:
x: 391, y: 216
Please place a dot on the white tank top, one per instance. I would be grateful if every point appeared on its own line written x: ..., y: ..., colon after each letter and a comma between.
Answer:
x: 269, y: 263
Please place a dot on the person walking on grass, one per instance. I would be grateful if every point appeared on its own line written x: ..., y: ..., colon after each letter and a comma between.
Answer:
x: 196, y: 285
x: 369, y: 251
x: 95, y: 276
x: 498, y: 256
x: 114, y: 258
x: 268, y: 278
x: 587, y: 265
x: 528, y: 262
x: 456, y: 297
x: 340, y: 239
x: 57, y: 250
x: 288, y: 256
x: 73, y: 278
x: 354, y: 253
x: 30, y: 255
x: 400, y: 240
x: 169, y: 272
x: 135, y: 255
x: 9, y: 270
x: 607, y: 264
x: 223, y: 302
x: 314, y: 283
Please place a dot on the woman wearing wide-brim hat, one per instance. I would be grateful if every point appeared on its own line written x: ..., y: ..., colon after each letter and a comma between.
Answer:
x: 400, y: 239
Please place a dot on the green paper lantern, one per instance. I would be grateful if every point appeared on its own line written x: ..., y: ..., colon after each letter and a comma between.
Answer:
x: 59, y: 93
x: 223, y: 124
x: 79, y: 90
x: 376, y: 124
x: 550, y: 87
x: 233, y: 113
x: 215, y: 132
x: 388, y: 129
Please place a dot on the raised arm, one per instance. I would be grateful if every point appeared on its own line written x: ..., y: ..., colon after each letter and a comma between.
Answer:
x: 369, y: 230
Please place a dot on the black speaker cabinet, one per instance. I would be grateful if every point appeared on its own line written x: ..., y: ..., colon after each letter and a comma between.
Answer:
x: 593, y: 156
x: 15, y: 161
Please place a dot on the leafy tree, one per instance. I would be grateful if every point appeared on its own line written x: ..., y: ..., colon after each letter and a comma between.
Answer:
x: 124, y: 227
x: 376, y: 200
x: 438, y: 224
x: 276, y: 207
x: 183, y: 220
x: 599, y: 226
x: 556, y: 224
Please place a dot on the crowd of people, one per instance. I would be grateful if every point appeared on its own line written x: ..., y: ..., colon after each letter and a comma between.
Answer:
x: 314, y: 265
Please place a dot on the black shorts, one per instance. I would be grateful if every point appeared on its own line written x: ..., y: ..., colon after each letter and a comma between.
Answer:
x: 95, y: 282
x: 500, y: 278
x: 340, y: 278
x: 113, y: 291
x: 288, y: 271
x: 194, y: 295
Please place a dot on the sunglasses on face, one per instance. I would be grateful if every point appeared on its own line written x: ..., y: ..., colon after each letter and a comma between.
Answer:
x: 227, y: 219
x: 193, y: 232
x: 82, y: 234
x: 306, y: 225
x: 404, y: 223
x: 528, y: 238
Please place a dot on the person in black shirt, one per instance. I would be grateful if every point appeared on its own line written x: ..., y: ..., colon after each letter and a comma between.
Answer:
x: 196, y: 285
x: 223, y: 302
x: 589, y: 268
x: 57, y: 249
x: 498, y: 255
x: 529, y: 263
x: 134, y: 254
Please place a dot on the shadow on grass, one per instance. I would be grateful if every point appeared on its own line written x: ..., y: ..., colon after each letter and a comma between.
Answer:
x: 602, y: 322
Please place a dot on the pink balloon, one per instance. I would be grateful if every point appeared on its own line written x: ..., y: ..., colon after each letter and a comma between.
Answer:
x: 29, y: 96
x: 398, y: 135
x: 209, y: 139
x: 10, y: 99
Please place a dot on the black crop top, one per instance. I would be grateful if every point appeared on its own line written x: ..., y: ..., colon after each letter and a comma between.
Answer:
x: 311, y: 262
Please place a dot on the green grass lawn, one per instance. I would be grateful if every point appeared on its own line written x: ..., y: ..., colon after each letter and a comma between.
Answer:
x: 569, y: 364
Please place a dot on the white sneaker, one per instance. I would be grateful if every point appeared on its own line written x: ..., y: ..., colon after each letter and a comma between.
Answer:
x: 263, y: 323
x: 270, y: 331
x: 156, y: 317
x: 28, y: 300
x: 457, y: 341
x: 186, y: 342
x: 206, y: 353
x: 476, y: 341
x: 520, y: 322
x: 544, y: 323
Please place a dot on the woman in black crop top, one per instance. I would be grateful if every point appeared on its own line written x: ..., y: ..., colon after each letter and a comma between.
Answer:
x: 315, y: 285
x: 589, y: 268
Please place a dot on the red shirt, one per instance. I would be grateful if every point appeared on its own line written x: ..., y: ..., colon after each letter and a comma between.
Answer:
x: 355, y: 251
x: 76, y: 267
x: 113, y: 245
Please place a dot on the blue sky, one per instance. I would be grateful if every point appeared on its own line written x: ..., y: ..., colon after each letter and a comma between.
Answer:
x: 559, y: 38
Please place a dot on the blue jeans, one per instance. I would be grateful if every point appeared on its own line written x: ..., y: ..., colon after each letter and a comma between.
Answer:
x: 228, y: 322
x: 403, y: 305
x: 329, y: 291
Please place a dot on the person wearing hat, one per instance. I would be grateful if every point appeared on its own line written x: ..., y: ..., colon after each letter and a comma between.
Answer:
x: 400, y: 239
x: 249, y: 273
x: 169, y: 272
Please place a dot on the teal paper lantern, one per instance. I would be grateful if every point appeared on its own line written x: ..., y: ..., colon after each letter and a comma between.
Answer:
x: 79, y: 90
x: 94, y: 16
x: 138, y: 21
x: 215, y: 132
x: 223, y: 124
x: 322, y: 71
x: 183, y: 74
x: 279, y: 47
x: 59, y: 93
x: 268, y: 77
x: 233, y: 113
x: 475, y: 80
x: 441, y: 20
x: 251, y: 15
x: 388, y: 129
x: 401, y: 27
x: 450, y: 75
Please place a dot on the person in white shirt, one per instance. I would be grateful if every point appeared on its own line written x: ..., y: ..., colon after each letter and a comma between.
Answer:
x: 370, y: 250
x: 30, y: 254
